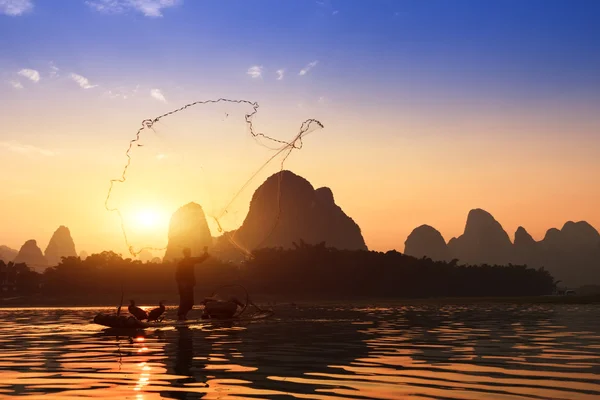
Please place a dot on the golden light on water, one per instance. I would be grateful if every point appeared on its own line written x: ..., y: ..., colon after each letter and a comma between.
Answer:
x: 454, y: 352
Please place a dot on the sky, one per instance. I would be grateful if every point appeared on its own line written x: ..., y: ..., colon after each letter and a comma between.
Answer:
x: 430, y: 109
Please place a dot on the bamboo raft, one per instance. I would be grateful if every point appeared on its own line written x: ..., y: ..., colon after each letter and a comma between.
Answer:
x: 215, y: 311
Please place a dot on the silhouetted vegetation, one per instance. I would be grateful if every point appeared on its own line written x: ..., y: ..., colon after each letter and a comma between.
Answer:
x: 308, y: 271
x: 109, y: 273
x: 18, y: 279
x: 318, y: 270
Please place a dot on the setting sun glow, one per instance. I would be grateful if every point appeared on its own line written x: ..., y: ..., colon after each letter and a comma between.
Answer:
x: 149, y: 219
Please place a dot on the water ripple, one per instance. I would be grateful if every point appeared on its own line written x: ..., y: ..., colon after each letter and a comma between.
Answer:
x: 388, y: 351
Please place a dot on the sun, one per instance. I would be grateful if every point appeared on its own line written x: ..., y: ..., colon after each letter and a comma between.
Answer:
x: 148, y: 219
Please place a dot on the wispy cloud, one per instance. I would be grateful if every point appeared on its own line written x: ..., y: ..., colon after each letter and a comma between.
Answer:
x: 14, y: 8
x: 53, y: 70
x: 30, y: 74
x: 280, y: 73
x: 149, y: 8
x: 115, y: 94
x: 82, y: 81
x: 310, y: 66
x: 107, y: 6
x: 157, y: 94
x: 255, y: 71
x: 20, y: 148
x: 335, y: 12
x: 16, y: 84
x: 121, y: 92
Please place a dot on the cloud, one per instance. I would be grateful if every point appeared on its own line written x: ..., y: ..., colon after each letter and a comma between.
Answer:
x: 15, y: 8
x: 255, y: 71
x: 53, y: 70
x: 82, y: 81
x: 122, y: 92
x: 107, y: 6
x: 30, y: 74
x: 335, y: 12
x: 20, y: 148
x: 310, y: 66
x: 149, y: 8
x: 280, y: 73
x: 115, y: 94
x: 16, y: 84
x: 157, y: 94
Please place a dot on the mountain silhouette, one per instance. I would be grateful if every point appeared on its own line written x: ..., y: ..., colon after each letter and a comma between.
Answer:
x: 31, y: 255
x: 426, y: 241
x: 7, y: 254
x: 483, y: 241
x: 61, y: 245
x: 524, y: 240
x: 525, y: 249
x: 286, y: 209
x: 570, y: 254
x: 578, y: 235
x: 188, y: 228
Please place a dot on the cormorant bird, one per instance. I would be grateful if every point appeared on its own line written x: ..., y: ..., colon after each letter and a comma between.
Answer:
x: 155, y: 313
x: 137, y: 312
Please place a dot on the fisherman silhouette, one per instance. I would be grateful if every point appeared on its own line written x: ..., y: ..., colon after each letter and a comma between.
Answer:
x: 186, y: 280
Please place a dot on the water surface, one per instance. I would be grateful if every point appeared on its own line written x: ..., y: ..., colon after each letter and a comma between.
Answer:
x: 376, y: 351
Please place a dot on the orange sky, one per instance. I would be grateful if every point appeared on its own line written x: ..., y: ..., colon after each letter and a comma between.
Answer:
x: 390, y: 171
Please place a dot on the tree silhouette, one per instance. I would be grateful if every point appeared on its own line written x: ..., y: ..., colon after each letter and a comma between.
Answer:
x: 308, y: 271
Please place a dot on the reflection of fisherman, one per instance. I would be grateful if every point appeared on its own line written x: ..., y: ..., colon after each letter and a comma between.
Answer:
x: 186, y: 280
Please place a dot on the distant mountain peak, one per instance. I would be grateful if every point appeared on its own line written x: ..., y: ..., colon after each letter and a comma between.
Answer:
x: 426, y: 241
x: 523, y: 238
x: 286, y: 208
x: 188, y: 228
x: 61, y: 245
x: 479, y: 219
x: 483, y: 241
x: 7, y: 254
x: 325, y: 195
x: 571, y: 254
x: 581, y: 229
x: 31, y: 255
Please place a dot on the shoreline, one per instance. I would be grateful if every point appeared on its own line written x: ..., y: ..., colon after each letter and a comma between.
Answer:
x: 172, y: 301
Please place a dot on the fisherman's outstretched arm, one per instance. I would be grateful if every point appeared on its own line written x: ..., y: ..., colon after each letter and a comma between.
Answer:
x: 200, y: 259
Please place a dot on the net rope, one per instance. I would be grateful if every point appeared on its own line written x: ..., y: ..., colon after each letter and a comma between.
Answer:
x: 282, y: 148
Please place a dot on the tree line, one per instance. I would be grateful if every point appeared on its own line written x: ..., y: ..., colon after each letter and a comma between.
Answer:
x: 307, y: 271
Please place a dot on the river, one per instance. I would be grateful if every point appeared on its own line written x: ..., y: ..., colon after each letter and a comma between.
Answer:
x: 311, y: 351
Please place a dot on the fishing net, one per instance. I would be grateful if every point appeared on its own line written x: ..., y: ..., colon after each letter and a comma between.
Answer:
x: 200, y: 153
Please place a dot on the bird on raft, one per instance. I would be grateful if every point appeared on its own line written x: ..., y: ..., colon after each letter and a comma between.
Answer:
x: 136, y: 311
x: 156, y: 313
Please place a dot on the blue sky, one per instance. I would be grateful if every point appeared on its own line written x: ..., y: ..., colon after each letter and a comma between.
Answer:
x: 518, y: 48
